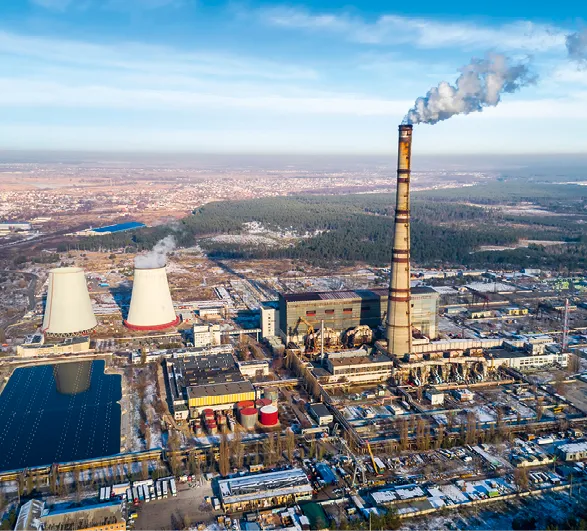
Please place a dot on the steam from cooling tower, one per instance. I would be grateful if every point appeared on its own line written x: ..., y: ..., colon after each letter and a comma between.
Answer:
x: 481, y: 84
x: 577, y: 47
x: 156, y: 257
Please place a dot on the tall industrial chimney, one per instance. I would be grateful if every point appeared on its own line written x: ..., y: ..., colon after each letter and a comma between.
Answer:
x: 399, y: 319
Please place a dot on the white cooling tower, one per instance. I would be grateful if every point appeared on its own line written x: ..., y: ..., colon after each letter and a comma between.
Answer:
x: 151, y: 307
x: 68, y: 310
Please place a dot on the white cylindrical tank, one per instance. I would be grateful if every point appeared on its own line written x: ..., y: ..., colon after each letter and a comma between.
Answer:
x: 151, y: 307
x: 68, y: 310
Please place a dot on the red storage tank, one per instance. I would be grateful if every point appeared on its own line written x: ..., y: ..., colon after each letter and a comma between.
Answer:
x: 269, y: 416
x: 208, y: 413
x: 245, y: 403
x: 262, y: 402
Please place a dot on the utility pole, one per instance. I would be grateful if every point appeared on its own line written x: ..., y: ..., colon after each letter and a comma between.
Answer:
x: 321, y: 339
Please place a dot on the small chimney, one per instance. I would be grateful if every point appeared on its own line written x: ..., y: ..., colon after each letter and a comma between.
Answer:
x: 399, y: 319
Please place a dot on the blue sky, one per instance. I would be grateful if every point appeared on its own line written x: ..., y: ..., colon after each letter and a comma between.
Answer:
x: 198, y: 76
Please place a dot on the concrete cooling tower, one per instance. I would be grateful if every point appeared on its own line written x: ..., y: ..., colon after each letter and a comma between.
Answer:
x: 68, y: 311
x: 151, y: 307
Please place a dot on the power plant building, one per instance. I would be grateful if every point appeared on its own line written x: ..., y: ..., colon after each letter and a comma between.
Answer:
x: 205, y: 381
x: 343, y: 310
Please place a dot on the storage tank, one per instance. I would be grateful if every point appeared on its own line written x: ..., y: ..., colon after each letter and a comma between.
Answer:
x: 208, y: 413
x: 269, y: 416
x: 245, y: 404
x: 271, y: 394
x: 151, y: 307
x: 262, y: 402
x: 68, y: 310
x: 249, y: 417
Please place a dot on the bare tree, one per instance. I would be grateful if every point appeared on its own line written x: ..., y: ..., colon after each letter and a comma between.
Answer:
x: 290, y: 444
x: 224, y: 456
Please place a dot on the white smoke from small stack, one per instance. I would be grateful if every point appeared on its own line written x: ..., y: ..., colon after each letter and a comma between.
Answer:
x: 156, y: 257
x: 577, y: 47
x: 481, y: 84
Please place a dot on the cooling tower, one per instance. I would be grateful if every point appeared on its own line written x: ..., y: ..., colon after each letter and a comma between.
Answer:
x: 399, y: 323
x: 151, y: 307
x: 68, y: 310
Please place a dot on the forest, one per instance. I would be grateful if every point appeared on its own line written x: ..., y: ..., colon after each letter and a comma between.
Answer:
x: 448, y: 227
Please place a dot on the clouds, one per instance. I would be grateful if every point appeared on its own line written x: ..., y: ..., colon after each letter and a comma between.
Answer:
x: 58, y: 5
x: 114, y: 5
x: 577, y: 47
x: 422, y: 33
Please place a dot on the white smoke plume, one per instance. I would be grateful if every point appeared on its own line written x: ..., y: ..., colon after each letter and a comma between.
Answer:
x: 156, y: 257
x: 481, y: 84
x: 577, y: 47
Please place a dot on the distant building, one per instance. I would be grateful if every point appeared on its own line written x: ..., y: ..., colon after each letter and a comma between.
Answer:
x: 269, y: 319
x: 342, y: 310
x: 206, y: 335
x: 14, y: 226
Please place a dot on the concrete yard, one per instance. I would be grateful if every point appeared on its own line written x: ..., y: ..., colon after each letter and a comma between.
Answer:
x: 188, y: 507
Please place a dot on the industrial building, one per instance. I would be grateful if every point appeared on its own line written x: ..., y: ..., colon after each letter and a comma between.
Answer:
x: 576, y: 451
x: 321, y: 414
x: 535, y: 352
x: 70, y: 345
x: 35, y: 514
x: 206, y: 335
x: 253, y: 368
x: 264, y: 490
x: 220, y: 394
x: 344, y: 310
x: 269, y: 319
x: 213, y: 380
x: 68, y: 309
x: 359, y: 366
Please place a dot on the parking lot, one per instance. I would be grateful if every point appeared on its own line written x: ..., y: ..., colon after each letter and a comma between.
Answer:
x: 176, y: 512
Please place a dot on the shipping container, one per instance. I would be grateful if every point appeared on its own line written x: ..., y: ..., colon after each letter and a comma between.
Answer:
x: 173, y: 487
x: 164, y: 486
x: 158, y: 489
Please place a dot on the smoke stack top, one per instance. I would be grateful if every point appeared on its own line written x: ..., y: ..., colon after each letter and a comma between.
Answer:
x: 577, y: 47
x: 156, y: 257
x: 481, y: 84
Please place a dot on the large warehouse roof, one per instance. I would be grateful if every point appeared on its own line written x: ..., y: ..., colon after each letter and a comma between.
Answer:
x: 281, y: 483
x: 359, y: 294
x: 232, y: 388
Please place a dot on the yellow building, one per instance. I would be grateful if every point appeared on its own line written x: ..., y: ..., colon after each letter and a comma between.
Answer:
x: 70, y: 345
x: 219, y: 394
x: 515, y: 311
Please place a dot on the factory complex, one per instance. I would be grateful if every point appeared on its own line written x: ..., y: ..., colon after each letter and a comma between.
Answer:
x: 315, y: 407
